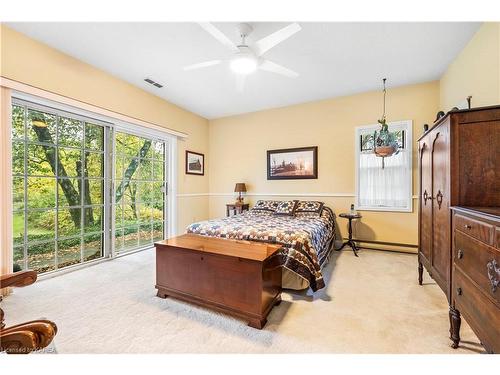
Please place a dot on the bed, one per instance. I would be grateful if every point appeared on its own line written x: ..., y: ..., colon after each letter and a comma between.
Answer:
x: 307, y: 237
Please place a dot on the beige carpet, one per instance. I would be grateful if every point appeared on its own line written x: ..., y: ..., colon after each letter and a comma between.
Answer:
x: 372, y: 304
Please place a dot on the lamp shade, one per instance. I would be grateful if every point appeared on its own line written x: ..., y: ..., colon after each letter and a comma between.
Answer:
x: 240, y: 187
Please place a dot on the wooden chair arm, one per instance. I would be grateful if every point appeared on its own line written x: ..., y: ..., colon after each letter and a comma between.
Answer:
x: 19, y: 279
x: 26, y: 337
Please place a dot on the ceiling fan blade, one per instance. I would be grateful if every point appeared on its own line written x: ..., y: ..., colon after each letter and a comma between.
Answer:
x: 240, y: 82
x: 217, y: 34
x: 202, y: 65
x: 265, y: 44
x: 272, y: 67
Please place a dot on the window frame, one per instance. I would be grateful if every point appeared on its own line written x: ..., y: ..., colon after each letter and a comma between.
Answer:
x: 359, y: 130
x: 111, y: 126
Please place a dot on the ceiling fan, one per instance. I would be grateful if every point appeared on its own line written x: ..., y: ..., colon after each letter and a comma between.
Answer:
x: 246, y: 60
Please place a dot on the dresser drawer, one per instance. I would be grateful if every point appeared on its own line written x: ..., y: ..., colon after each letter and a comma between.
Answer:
x: 479, y: 262
x: 482, y: 314
x: 481, y: 231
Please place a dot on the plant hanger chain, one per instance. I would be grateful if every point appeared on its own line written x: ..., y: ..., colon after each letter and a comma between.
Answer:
x: 383, y: 115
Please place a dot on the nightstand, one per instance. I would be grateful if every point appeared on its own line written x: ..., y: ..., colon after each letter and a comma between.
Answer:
x: 236, y: 208
x: 350, y: 242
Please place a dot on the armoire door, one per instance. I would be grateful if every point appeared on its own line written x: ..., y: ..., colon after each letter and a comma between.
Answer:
x: 440, y: 254
x: 425, y: 229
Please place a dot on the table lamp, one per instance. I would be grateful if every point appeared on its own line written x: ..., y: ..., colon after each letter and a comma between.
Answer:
x: 240, y: 188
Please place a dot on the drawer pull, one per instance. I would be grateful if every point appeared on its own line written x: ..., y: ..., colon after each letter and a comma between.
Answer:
x: 467, y: 226
x: 460, y: 254
x: 493, y: 274
x: 201, y: 258
x: 459, y: 291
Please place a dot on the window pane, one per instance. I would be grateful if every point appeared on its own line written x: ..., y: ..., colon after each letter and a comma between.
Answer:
x: 68, y: 252
x: 41, y: 127
x: 157, y: 231
x: 130, y: 215
x: 41, y: 192
x: 18, y: 158
x: 92, y: 247
x: 94, y: 137
x: 41, y: 257
x: 70, y: 162
x: 18, y: 259
x: 157, y: 194
x: 128, y: 145
x: 119, y: 167
x: 144, y: 213
x: 145, y: 190
x: 17, y: 122
x: 69, y: 222
x: 146, y: 170
x: 18, y: 228
x: 94, y: 164
x: 118, y: 216
x: 157, y: 211
x: 96, y: 191
x: 158, y: 170
x: 40, y: 160
x: 18, y: 193
x: 118, y: 239
x: 70, y: 132
x: 41, y: 225
x: 68, y: 192
x: 130, y: 236
x: 159, y: 150
x: 130, y: 193
x: 145, y: 234
x: 93, y: 220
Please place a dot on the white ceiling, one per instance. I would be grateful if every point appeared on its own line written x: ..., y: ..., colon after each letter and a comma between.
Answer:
x: 333, y: 59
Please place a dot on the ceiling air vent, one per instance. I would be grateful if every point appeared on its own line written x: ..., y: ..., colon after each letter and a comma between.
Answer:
x: 151, y: 82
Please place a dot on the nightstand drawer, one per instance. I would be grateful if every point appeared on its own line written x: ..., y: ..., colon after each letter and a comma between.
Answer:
x: 474, y: 228
x: 479, y: 262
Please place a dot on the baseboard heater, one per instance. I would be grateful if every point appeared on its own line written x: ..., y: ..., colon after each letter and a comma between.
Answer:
x: 386, y: 246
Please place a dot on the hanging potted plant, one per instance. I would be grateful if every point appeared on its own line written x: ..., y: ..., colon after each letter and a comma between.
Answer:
x: 384, y: 142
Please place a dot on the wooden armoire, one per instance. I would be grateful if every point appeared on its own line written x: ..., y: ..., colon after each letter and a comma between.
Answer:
x: 459, y: 167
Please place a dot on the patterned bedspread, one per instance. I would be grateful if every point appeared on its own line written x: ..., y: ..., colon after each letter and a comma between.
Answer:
x: 306, y: 238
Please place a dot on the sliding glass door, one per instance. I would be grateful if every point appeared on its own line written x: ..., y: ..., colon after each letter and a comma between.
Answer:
x: 74, y: 199
x: 58, y: 182
x: 139, y: 199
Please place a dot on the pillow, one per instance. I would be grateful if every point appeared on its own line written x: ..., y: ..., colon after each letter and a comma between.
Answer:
x: 286, y: 208
x: 310, y: 206
x: 263, y: 205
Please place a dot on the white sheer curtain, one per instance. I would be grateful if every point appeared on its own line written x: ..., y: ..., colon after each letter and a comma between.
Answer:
x: 388, y: 188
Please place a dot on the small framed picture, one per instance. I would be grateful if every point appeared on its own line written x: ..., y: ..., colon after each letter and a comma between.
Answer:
x: 292, y: 163
x: 195, y: 163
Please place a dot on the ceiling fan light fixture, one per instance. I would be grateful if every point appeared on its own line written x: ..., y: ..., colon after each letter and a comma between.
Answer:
x: 244, y: 62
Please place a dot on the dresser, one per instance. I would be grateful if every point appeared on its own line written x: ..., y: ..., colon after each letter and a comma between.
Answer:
x: 459, y: 168
x: 476, y: 274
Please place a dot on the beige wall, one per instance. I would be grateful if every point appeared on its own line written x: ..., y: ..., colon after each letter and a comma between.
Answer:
x: 238, y: 147
x: 329, y: 124
x: 28, y: 61
x: 475, y: 71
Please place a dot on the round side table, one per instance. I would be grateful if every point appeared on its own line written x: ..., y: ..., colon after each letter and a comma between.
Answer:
x: 350, y: 242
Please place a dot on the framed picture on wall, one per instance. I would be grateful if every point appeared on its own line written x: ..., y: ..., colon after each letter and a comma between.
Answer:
x: 292, y: 163
x: 195, y: 163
